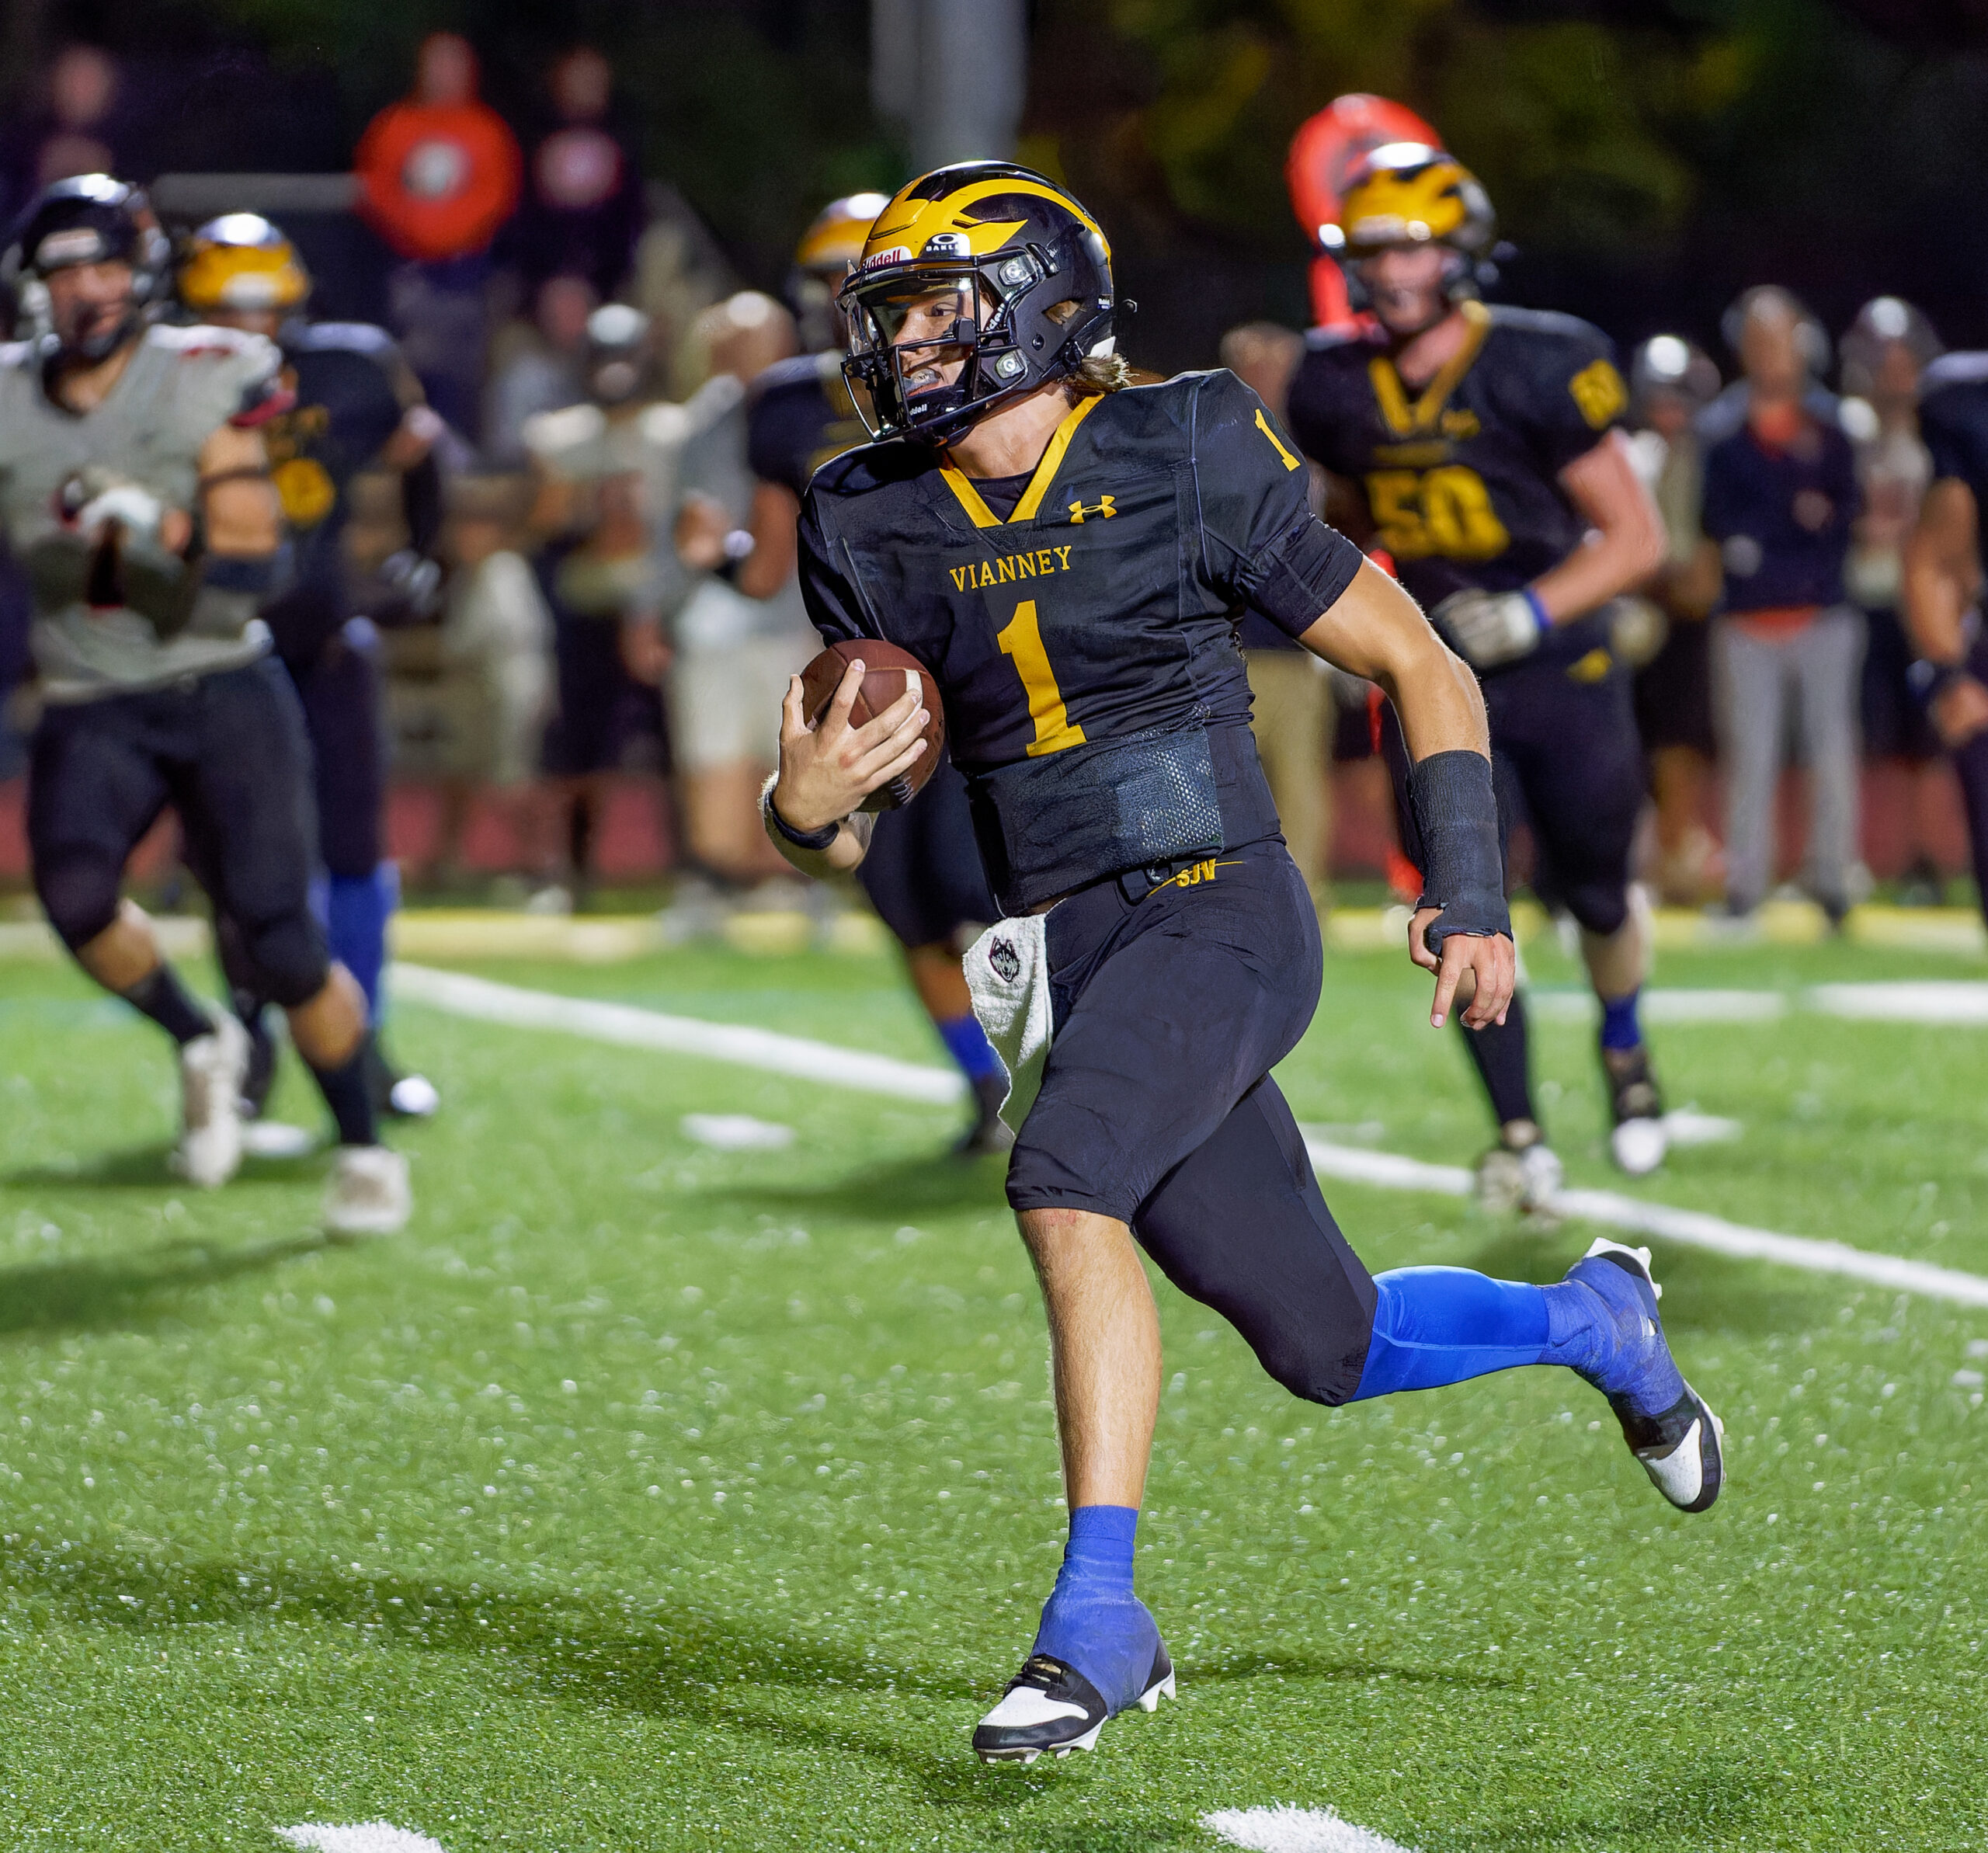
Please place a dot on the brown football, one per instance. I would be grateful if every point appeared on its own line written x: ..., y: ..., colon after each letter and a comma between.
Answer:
x: 885, y: 670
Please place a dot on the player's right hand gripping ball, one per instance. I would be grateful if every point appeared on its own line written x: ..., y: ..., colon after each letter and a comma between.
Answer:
x: 886, y: 672
x: 1489, y: 628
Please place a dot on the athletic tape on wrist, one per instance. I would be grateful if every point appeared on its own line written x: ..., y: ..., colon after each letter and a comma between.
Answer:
x: 1456, y: 811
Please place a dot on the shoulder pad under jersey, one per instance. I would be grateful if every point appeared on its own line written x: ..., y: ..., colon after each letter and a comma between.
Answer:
x: 1954, y: 369
x: 339, y: 337
x: 219, y: 375
x: 1549, y: 324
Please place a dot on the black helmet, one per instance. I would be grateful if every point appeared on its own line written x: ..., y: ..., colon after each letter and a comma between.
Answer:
x: 1036, y: 300
x: 93, y: 219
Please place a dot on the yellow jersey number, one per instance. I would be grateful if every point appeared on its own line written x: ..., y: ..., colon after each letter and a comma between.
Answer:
x: 1021, y: 643
x: 1445, y: 511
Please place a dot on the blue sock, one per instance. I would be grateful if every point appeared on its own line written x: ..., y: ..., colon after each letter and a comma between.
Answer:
x: 967, y: 1043
x: 356, y: 910
x: 1092, y: 1621
x: 1434, y: 1326
x: 1620, y: 1030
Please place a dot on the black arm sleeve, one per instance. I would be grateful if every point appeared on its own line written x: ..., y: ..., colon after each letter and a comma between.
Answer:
x: 421, y: 504
x: 1260, y: 542
x: 1456, y: 813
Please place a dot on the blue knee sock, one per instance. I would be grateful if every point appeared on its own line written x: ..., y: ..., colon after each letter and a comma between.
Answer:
x: 1092, y: 1621
x: 1434, y: 1326
x: 356, y: 910
x: 1620, y: 1030
x: 967, y: 1043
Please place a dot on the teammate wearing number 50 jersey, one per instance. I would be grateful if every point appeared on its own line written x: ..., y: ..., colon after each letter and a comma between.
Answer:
x: 1479, y: 447
x: 1069, y: 553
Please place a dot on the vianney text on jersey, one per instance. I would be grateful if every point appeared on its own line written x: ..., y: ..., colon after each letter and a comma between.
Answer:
x: 1461, y: 475
x: 1085, y: 645
x: 179, y: 386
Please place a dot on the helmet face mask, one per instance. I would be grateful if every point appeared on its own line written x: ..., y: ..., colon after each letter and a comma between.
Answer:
x: 1025, y: 272
x: 1405, y: 196
x: 99, y: 226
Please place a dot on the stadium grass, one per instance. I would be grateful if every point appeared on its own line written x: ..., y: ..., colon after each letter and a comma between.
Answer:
x: 643, y: 1496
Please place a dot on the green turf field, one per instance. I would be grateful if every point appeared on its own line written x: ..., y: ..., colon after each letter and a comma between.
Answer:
x: 643, y: 1496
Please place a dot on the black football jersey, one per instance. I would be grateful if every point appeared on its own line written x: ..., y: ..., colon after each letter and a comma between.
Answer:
x: 1953, y: 422
x: 1460, y: 478
x: 347, y: 380
x: 1104, y: 607
x: 801, y: 416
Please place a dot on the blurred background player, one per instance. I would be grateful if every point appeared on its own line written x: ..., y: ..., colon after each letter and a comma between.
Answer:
x: 1480, y: 448
x: 923, y: 873
x: 1884, y: 351
x: 115, y: 433
x: 1670, y: 382
x: 1781, y: 498
x: 1942, y: 582
x: 354, y: 404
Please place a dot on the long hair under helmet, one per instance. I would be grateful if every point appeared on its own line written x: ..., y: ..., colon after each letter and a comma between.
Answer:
x: 1036, y: 301
x: 1406, y: 194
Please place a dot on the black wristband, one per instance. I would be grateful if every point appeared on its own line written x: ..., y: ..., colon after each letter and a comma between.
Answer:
x: 1456, y: 813
x: 1930, y: 680
x: 802, y: 839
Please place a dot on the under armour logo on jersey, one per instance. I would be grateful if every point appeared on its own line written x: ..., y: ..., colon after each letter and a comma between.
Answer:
x: 1104, y: 509
x: 1006, y: 962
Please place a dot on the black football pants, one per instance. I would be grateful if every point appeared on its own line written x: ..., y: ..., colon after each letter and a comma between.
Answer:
x: 1172, y: 1002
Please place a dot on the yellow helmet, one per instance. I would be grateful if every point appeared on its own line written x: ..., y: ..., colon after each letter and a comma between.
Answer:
x: 835, y: 240
x: 241, y: 261
x: 1406, y: 192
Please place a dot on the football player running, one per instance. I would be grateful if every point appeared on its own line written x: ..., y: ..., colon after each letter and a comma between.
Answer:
x: 1068, y: 553
x: 1480, y: 447
x: 355, y: 404
x: 922, y: 873
x: 1942, y: 582
x: 135, y: 489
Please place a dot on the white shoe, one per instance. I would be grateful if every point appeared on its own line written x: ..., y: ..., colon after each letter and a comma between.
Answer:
x: 212, y: 1068
x: 1526, y: 1180
x: 414, y: 1097
x: 1638, y: 1147
x: 369, y: 1194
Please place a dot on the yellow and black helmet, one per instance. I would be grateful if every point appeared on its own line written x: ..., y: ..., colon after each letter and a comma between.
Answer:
x: 1408, y: 194
x: 241, y: 261
x: 1036, y: 299
x: 829, y: 250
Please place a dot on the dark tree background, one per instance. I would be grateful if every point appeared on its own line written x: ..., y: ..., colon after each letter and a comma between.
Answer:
x: 1649, y: 159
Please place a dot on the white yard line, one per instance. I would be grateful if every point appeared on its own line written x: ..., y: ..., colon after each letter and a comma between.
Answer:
x: 462, y: 996
x: 633, y: 1028
x: 1694, y: 1228
x: 1295, y: 1830
x: 1955, y: 1004
x: 366, y: 1837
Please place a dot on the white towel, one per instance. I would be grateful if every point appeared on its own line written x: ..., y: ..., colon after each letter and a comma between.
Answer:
x: 1007, y: 971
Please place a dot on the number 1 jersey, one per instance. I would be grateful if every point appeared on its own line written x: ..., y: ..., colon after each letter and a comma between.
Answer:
x: 1461, y: 475
x: 1085, y: 647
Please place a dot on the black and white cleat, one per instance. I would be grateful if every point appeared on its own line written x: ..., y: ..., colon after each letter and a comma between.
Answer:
x: 1682, y: 1450
x: 1050, y: 1709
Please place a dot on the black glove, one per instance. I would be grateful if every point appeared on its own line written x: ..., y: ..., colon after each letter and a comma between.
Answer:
x: 1463, y: 873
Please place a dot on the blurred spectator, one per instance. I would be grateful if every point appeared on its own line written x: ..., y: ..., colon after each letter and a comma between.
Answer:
x: 1780, y: 499
x: 1670, y: 382
x: 582, y: 210
x: 439, y: 174
x: 76, y: 130
x: 1292, y: 702
x: 730, y: 654
x: 596, y: 565
x: 1884, y: 351
x: 545, y: 372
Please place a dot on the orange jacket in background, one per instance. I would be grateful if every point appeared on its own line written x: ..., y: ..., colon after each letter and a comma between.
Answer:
x: 437, y: 181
